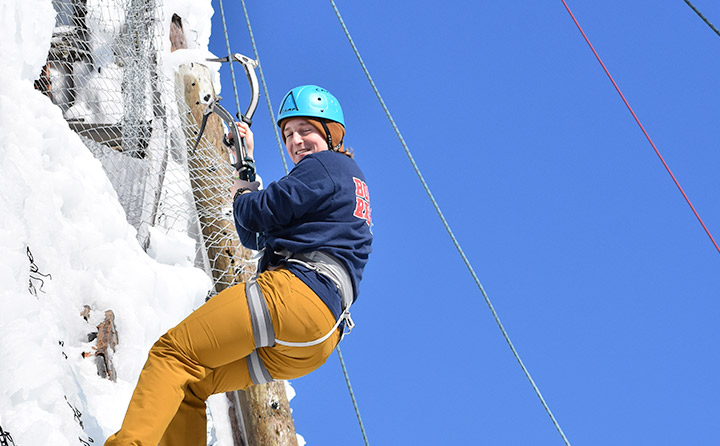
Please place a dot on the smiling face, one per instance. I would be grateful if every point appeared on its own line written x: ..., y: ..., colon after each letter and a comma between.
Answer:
x: 302, y: 138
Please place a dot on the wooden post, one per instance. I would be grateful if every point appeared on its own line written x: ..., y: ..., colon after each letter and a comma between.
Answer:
x: 211, y: 178
x: 266, y: 412
x: 177, y: 35
x: 265, y: 409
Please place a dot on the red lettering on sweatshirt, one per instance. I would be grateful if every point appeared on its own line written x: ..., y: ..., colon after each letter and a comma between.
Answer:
x: 362, y: 200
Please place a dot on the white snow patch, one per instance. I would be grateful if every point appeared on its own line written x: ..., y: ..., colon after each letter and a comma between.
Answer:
x: 25, y: 30
x: 64, y: 236
x: 171, y: 247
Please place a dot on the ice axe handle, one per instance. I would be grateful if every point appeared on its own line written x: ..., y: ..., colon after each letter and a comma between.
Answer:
x: 244, y: 165
x: 247, y: 121
x: 246, y: 170
x: 248, y: 166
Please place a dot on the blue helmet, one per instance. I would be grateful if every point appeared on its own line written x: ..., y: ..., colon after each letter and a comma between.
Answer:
x: 310, y: 101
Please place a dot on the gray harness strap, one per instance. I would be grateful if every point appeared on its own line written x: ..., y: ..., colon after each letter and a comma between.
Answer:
x: 259, y: 315
x: 329, y: 267
x: 263, y: 331
x: 258, y: 373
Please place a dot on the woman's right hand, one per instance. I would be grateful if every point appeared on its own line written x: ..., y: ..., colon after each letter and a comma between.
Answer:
x: 245, y: 132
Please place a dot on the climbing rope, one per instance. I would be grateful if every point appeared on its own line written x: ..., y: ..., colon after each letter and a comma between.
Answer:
x: 352, y: 395
x: 446, y: 225
x: 282, y: 156
x: 265, y: 89
x: 230, y: 58
x: 262, y: 75
x: 702, y: 17
x: 641, y: 127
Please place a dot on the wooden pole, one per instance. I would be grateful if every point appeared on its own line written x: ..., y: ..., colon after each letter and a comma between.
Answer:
x: 211, y: 178
x: 266, y: 412
x: 265, y: 409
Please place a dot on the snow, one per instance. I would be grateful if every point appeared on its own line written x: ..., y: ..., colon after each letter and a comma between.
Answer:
x: 25, y: 47
x: 98, y: 95
x: 64, y: 235
x: 186, y: 56
x: 57, y: 201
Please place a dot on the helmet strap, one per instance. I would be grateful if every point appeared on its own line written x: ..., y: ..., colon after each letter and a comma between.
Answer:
x: 327, y: 133
x: 329, y: 136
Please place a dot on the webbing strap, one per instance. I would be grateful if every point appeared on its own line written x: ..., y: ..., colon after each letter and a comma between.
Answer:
x: 259, y: 315
x: 324, y: 264
x: 343, y: 317
x: 328, y: 266
x: 263, y: 331
x: 258, y: 373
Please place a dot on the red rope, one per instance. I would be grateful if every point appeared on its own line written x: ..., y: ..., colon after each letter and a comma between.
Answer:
x: 641, y: 127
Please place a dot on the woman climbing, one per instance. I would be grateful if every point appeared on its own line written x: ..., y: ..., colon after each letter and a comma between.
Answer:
x: 314, y: 229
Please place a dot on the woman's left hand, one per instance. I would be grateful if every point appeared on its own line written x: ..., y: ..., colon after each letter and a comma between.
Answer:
x: 249, y: 185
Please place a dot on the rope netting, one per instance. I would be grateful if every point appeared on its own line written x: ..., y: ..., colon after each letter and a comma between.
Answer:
x: 105, y: 70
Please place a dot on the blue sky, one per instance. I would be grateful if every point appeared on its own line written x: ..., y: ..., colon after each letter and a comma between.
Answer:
x: 604, y: 279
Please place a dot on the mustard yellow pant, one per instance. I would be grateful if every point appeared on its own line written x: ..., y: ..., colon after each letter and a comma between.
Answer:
x: 206, y: 354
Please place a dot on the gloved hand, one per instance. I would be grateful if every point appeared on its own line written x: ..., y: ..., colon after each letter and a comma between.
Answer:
x: 249, y: 185
x: 241, y: 186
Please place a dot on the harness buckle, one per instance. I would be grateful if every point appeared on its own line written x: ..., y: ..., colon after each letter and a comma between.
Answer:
x: 349, y: 324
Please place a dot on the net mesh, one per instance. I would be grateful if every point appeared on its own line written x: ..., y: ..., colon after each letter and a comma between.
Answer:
x: 105, y: 71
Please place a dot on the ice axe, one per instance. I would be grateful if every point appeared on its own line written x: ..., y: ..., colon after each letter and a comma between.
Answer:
x: 243, y: 163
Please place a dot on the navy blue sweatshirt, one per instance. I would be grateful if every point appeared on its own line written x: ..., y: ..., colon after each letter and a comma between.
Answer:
x: 323, y: 204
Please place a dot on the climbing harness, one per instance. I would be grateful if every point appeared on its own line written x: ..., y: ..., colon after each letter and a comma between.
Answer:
x: 331, y: 268
x: 258, y: 372
x: 244, y: 165
x: 262, y: 326
x: 261, y: 321
x: 285, y: 167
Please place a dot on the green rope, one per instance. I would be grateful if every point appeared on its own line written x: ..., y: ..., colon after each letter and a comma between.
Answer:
x: 447, y: 226
x: 282, y: 156
x: 227, y: 45
x: 702, y: 17
x: 352, y: 395
x: 265, y: 89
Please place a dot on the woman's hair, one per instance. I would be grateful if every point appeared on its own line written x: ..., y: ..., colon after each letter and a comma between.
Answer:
x: 337, y: 133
